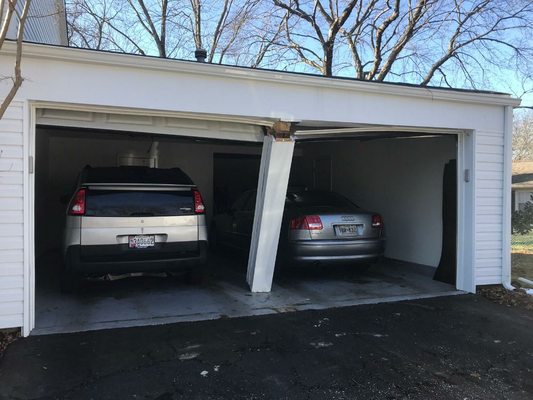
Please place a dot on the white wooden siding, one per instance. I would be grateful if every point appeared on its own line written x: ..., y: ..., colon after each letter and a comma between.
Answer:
x: 11, y: 217
x: 489, y: 203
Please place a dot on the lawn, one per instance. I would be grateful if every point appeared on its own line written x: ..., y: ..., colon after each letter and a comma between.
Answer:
x: 522, y: 256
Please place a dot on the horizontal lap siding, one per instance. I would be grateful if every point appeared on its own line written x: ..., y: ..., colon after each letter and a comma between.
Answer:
x: 11, y: 217
x: 489, y: 207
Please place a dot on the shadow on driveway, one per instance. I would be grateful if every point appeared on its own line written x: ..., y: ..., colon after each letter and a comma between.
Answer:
x: 451, y: 347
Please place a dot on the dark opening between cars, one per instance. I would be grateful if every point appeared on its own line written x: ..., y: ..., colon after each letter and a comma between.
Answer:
x: 138, y: 203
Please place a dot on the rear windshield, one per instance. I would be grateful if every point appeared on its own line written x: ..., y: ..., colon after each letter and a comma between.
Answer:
x: 318, y: 199
x: 148, y: 203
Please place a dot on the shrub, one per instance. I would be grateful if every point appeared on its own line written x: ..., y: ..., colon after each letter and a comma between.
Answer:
x: 522, y: 220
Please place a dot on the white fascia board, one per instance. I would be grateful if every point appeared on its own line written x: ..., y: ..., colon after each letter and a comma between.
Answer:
x: 85, y: 56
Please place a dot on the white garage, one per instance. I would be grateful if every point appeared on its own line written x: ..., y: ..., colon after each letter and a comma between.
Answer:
x: 384, y: 146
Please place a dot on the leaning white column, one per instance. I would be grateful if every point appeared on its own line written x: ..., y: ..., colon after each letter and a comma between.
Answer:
x: 274, y: 173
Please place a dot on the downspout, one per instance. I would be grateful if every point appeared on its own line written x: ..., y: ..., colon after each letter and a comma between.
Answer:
x: 507, y: 181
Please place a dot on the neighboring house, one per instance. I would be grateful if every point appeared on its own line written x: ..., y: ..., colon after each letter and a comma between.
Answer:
x: 46, y: 23
x: 522, y: 188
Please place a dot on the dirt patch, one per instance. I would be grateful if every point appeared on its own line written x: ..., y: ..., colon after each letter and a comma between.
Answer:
x: 7, y: 337
x: 498, y: 294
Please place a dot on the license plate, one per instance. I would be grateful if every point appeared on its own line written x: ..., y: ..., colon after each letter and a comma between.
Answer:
x: 141, y: 241
x: 349, y: 230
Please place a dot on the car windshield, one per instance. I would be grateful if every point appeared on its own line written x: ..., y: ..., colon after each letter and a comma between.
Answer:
x: 318, y: 199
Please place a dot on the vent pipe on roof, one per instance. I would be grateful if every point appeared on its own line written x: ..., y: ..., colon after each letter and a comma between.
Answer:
x: 200, y: 55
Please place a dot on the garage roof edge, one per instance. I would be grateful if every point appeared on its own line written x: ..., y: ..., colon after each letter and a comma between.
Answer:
x: 71, y: 54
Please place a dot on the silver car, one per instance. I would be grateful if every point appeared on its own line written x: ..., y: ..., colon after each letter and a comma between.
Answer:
x: 133, y: 219
x: 318, y: 227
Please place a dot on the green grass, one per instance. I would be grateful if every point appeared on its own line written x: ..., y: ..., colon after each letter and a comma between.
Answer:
x: 522, y: 243
x: 522, y: 256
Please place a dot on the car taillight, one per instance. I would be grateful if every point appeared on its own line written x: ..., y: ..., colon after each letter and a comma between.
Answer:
x: 377, y: 221
x: 308, y: 222
x: 199, y: 207
x: 77, y: 205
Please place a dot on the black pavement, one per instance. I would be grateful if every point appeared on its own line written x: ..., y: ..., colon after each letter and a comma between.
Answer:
x: 459, y: 347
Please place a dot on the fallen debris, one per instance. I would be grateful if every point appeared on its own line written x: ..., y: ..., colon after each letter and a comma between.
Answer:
x: 498, y: 294
x: 7, y: 337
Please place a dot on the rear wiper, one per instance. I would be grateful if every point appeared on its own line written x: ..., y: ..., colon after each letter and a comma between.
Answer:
x: 142, y: 214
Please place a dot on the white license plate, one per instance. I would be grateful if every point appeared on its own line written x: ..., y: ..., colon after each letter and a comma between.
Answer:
x: 141, y: 241
x: 349, y: 230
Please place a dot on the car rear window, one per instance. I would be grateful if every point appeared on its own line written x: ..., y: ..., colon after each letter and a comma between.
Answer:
x: 318, y: 199
x: 138, y: 203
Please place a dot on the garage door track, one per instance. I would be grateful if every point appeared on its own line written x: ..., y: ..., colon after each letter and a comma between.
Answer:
x: 459, y: 347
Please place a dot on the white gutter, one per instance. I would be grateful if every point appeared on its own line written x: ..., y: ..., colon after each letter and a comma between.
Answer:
x: 507, y: 180
x: 70, y: 55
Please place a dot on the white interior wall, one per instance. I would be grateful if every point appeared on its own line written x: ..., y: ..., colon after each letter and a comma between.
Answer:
x: 59, y: 159
x: 402, y: 180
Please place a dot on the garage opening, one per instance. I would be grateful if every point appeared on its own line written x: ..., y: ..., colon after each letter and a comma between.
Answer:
x: 410, y: 180
x: 398, y: 175
x: 118, y: 300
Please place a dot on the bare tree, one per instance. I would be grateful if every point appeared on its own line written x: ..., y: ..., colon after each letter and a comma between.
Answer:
x: 13, y: 11
x: 175, y: 28
x: 419, y: 41
x: 523, y: 136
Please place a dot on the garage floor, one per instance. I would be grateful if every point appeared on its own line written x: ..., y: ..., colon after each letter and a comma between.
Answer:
x: 155, y: 300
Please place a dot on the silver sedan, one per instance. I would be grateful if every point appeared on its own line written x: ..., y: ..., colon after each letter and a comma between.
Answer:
x: 318, y: 227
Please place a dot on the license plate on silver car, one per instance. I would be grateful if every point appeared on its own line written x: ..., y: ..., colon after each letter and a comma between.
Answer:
x: 349, y: 230
x: 141, y: 241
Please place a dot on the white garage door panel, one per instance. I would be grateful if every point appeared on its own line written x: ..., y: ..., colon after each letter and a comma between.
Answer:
x: 246, y: 131
x: 489, y: 207
x: 11, y: 217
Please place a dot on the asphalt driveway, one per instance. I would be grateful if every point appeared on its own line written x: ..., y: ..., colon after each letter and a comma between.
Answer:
x: 459, y: 347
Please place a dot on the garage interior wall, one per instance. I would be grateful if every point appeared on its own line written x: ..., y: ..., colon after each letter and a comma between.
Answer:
x: 60, y: 156
x: 402, y: 179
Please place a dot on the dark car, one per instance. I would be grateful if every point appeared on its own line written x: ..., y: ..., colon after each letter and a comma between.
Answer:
x: 133, y: 219
x: 317, y: 227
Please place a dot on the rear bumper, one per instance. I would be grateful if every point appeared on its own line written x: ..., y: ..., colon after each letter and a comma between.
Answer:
x: 119, y: 259
x: 331, y: 251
